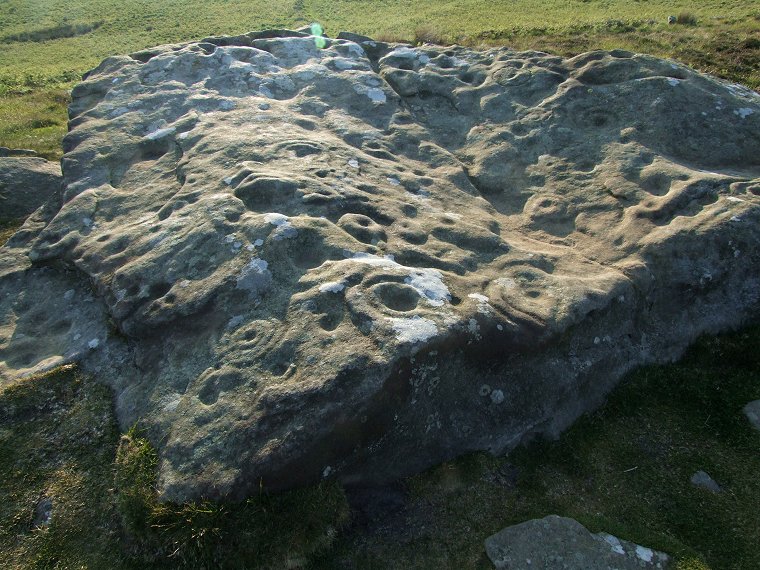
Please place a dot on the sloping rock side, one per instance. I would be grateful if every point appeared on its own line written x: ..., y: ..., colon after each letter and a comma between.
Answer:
x: 294, y: 262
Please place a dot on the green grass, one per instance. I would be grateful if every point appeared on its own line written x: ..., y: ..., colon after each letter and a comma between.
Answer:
x: 47, y: 45
x: 35, y: 120
x: 59, y: 441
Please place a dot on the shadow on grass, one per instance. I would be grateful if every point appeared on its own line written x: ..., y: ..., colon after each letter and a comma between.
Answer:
x: 624, y: 470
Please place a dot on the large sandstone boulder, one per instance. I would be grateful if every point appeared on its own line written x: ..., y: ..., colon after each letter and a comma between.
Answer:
x: 293, y: 263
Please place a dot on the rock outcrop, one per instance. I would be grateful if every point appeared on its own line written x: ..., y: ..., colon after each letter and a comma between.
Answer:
x: 294, y: 262
x: 26, y: 184
x: 559, y: 542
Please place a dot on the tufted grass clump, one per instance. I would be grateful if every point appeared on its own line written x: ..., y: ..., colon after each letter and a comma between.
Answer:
x: 134, y: 474
x: 686, y: 19
x: 57, y: 442
x: 8, y: 227
x: 691, y: 564
x: 63, y: 30
x: 428, y: 35
x: 265, y: 531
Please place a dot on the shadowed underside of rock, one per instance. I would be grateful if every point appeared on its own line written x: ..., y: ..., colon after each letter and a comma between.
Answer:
x: 293, y: 263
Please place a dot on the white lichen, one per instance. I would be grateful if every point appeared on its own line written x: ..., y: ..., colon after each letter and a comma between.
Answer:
x: 413, y: 330
x: 276, y: 219
x: 332, y: 287
x: 403, y: 52
x: 255, y: 277
x: 744, y: 112
x: 159, y: 134
x: 429, y: 284
x: 497, y: 397
x: 376, y: 95
x: 644, y: 553
x: 478, y: 297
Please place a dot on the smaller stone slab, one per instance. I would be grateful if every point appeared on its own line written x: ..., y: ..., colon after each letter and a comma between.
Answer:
x: 752, y: 411
x: 704, y: 481
x: 5, y: 151
x: 25, y: 184
x: 560, y: 542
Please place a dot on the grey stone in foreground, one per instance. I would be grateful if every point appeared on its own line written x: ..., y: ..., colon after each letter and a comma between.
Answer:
x: 559, y: 543
x: 704, y: 481
x: 752, y: 411
x: 26, y: 184
x: 293, y: 263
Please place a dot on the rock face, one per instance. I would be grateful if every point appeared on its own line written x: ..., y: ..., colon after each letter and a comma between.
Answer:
x: 293, y: 262
x: 26, y: 184
x: 558, y: 542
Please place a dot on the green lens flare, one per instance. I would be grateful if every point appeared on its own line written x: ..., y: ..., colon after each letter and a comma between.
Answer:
x: 316, y: 31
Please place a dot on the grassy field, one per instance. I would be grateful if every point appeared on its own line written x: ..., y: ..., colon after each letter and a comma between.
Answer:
x: 47, y: 44
x: 624, y: 469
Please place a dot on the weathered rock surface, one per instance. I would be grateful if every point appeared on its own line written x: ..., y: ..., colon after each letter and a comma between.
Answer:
x: 293, y: 263
x: 5, y: 151
x: 26, y: 184
x: 557, y: 542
